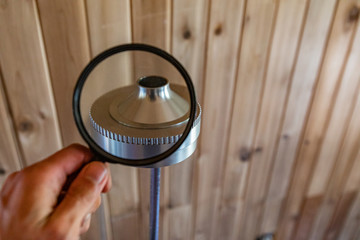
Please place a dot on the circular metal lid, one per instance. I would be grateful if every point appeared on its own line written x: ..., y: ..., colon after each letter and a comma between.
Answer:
x: 152, y: 105
x: 144, y: 120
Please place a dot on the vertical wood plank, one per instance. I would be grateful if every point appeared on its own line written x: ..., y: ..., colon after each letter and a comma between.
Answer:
x: 27, y: 81
x: 179, y: 207
x: 313, y: 41
x: 66, y: 41
x: 352, y: 222
x: 343, y: 108
x: 10, y: 156
x: 179, y: 224
x: 256, y: 37
x: 188, y: 46
x: 223, y: 44
x: 311, y: 205
x: 346, y: 182
x: 336, y: 54
x: 340, y: 214
x: 353, y: 180
x: 350, y: 150
x: 124, y: 225
x: 330, y: 182
x: 151, y: 22
x: 189, y: 38
x: 124, y: 202
x: 351, y: 226
x: 286, y: 36
x: 109, y: 25
x: 144, y: 191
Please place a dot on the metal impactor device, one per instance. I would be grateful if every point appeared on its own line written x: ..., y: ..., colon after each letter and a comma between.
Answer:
x: 152, y: 122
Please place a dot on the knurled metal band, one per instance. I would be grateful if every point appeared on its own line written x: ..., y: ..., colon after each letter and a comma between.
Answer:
x: 138, y: 140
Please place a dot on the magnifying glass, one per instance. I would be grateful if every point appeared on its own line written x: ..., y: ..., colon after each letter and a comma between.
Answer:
x: 135, y: 104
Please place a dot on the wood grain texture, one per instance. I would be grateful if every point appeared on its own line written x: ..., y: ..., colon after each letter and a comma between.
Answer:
x: 354, y: 178
x: 350, y: 229
x: 188, y: 45
x: 27, y: 81
x: 341, y: 113
x: 350, y: 150
x: 256, y: 37
x: 109, y: 24
x: 152, y: 22
x: 304, y: 227
x: 67, y: 47
x: 347, y: 228
x: 10, y: 157
x: 189, y: 38
x: 180, y: 224
x: 124, y: 202
x: 341, y: 212
x: 223, y: 41
x: 336, y: 54
x: 288, y: 29
x: 330, y: 161
x: 124, y: 225
x: 181, y: 196
x: 311, y: 50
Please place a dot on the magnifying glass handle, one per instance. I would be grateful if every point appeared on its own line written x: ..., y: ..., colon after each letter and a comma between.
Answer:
x: 154, y: 203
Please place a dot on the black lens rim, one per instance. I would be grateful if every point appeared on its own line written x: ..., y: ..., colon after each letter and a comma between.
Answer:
x: 98, y: 151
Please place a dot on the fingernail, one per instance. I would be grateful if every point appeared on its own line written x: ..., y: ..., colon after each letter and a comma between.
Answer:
x: 96, y: 171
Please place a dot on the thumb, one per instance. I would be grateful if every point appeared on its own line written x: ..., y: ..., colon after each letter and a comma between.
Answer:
x: 80, y: 198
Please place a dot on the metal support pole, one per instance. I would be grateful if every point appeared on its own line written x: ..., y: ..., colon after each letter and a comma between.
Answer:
x: 154, y: 203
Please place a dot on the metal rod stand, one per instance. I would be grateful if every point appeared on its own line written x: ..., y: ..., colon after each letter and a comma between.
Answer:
x: 154, y: 203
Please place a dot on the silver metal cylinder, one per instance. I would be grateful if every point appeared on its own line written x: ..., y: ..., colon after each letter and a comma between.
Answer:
x: 144, y: 120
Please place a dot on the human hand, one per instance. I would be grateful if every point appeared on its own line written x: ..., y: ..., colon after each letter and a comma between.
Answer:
x: 29, y: 207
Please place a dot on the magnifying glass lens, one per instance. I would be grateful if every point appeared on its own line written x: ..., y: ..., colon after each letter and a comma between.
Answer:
x: 135, y: 105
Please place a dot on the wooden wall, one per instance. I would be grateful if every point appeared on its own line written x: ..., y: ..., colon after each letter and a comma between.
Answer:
x: 279, y: 82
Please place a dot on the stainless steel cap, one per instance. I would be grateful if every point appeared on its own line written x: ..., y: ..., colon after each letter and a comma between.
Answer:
x: 144, y: 120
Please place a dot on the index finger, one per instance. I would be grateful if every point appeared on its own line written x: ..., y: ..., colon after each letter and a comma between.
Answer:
x: 66, y: 161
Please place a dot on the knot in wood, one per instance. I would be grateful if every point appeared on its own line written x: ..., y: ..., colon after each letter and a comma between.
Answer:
x: 187, y: 34
x: 258, y: 149
x: 245, y: 154
x: 354, y: 14
x: 218, y: 29
x: 25, y: 126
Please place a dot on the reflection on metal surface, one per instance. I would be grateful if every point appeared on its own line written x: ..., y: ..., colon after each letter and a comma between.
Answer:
x: 144, y: 120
